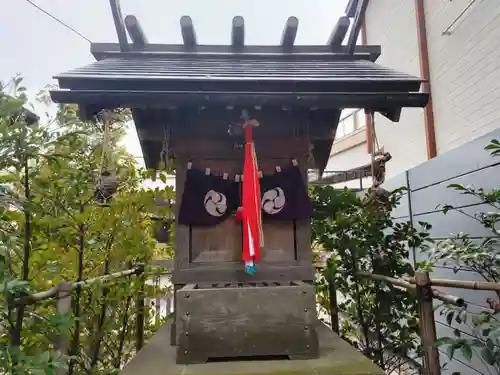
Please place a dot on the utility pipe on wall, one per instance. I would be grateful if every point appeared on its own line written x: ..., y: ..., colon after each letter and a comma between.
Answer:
x: 430, y: 132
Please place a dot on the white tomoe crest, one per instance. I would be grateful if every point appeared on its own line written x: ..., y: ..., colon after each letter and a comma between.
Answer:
x: 273, y: 200
x: 215, y: 203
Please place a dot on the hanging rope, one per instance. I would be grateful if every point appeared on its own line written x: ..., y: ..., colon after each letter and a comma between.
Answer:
x: 378, y: 157
x: 165, y: 151
x: 105, y: 140
x: 107, y: 184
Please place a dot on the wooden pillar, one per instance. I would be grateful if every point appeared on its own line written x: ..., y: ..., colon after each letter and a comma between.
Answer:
x: 139, y: 328
x: 427, y: 324
x: 173, y: 329
x: 63, y: 307
x: 157, y: 300
x: 332, y: 298
x: 423, y: 54
x: 368, y: 117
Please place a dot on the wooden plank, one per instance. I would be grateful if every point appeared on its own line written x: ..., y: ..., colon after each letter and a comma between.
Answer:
x: 200, y: 149
x: 303, y: 231
x: 303, y: 241
x: 236, y: 273
x: 279, y: 242
x: 240, y: 321
x: 182, y: 240
x: 221, y: 243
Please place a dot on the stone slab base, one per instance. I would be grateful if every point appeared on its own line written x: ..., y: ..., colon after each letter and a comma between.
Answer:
x: 336, y: 358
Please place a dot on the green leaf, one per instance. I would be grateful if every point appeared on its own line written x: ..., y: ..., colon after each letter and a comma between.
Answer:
x: 442, y: 341
x: 456, y: 186
x: 466, y: 351
x: 488, y: 356
x: 449, y: 317
x: 450, y: 350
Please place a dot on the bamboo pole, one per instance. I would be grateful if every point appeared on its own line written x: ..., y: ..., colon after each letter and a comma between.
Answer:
x: 391, y: 280
x: 63, y: 306
x: 139, y: 328
x: 333, y: 303
x: 427, y: 323
x: 52, y: 292
x: 409, y: 284
x: 459, y: 284
x: 447, y: 298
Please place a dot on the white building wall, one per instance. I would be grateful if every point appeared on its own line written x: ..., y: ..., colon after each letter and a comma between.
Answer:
x: 464, y: 68
x: 465, y: 79
x: 392, y: 24
x: 464, y: 71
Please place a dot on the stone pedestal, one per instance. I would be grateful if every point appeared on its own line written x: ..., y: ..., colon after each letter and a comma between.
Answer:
x: 336, y: 357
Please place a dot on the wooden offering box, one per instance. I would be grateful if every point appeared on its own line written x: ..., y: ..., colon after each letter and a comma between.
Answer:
x: 246, y: 319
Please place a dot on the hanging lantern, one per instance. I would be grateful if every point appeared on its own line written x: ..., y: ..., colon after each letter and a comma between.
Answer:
x: 107, y: 186
x: 162, y: 230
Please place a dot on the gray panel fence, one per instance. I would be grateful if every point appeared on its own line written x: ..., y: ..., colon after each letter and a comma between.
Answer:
x: 427, y: 191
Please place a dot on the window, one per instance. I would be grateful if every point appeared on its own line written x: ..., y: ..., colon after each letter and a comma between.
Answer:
x: 351, y: 120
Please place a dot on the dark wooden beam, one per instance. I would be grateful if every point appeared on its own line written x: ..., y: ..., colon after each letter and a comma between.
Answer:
x: 158, y: 99
x: 339, y: 32
x: 371, y: 53
x: 151, y: 135
x: 344, y: 176
x: 393, y: 114
x: 135, y: 30
x: 290, y: 32
x: 356, y: 26
x: 188, y: 33
x: 238, y: 32
x: 119, y: 25
x: 350, y: 9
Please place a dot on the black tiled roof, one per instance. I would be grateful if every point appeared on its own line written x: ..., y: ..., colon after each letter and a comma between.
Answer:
x: 241, y: 70
x: 233, y: 73
x: 265, y: 75
x: 261, y: 75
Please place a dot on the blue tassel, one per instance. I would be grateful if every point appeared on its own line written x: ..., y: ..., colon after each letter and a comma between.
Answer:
x: 250, y: 269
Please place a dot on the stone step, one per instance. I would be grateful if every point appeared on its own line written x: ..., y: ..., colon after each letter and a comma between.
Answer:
x: 336, y: 358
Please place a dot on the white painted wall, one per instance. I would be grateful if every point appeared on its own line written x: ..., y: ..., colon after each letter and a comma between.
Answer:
x: 464, y: 68
x: 392, y: 24
x: 464, y: 75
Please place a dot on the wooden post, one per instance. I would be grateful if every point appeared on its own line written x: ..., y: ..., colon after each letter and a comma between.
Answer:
x: 427, y: 324
x: 158, y: 299
x: 63, y: 306
x: 139, y: 328
x: 332, y: 297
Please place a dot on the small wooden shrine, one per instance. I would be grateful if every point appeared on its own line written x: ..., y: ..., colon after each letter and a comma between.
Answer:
x: 195, y: 103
